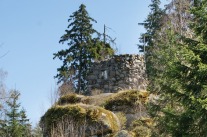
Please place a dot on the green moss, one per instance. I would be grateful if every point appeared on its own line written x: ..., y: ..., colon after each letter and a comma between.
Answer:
x: 142, y: 127
x: 124, y: 133
x: 81, y: 114
x: 103, y: 117
x: 74, y: 99
x: 112, y: 121
x: 86, y: 100
x: 141, y: 131
x: 55, y: 114
x: 124, y: 98
x: 69, y: 99
x: 122, y: 119
x: 144, y: 121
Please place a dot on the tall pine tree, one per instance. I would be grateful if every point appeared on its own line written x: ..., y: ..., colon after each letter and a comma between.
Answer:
x: 152, y: 24
x: 181, y: 109
x: 83, y: 49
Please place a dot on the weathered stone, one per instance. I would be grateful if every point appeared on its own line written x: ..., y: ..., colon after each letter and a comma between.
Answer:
x: 106, y: 86
x: 122, y: 75
x: 118, y: 71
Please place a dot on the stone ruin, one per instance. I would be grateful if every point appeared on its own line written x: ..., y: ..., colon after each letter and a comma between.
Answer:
x: 118, y: 73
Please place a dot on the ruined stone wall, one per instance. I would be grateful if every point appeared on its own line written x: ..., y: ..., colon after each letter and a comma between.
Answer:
x: 120, y: 72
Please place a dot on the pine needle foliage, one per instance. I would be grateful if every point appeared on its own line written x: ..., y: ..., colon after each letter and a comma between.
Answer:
x: 84, y: 46
x: 182, y: 65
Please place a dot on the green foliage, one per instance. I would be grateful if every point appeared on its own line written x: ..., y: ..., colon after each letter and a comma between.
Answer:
x: 17, y: 124
x: 180, y: 78
x: 3, y: 129
x: 83, y: 49
x: 25, y: 126
x: 13, y: 126
x: 151, y: 24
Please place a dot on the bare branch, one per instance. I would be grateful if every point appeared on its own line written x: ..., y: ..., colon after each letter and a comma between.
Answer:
x: 4, y: 53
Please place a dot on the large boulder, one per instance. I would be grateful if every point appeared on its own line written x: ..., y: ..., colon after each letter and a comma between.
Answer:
x: 78, y: 120
x: 130, y: 102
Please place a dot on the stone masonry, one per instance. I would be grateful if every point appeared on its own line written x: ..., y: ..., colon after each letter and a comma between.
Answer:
x: 117, y: 73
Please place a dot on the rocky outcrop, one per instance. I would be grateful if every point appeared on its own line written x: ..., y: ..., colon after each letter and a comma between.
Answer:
x: 103, y: 115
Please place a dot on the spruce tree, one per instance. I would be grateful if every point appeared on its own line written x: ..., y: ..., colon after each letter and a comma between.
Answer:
x: 13, y: 126
x: 83, y: 49
x: 181, y: 109
x: 152, y: 24
x: 24, y: 124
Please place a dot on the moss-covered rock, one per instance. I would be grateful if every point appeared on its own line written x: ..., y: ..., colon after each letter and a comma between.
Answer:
x: 79, y: 120
x: 83, y: 116
x: 126, y: 101
x: 70, y: 99
x: 124, y: 133
x: 142, y: 127
x: 73, y: 98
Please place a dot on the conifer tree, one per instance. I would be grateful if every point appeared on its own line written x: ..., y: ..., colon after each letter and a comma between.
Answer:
x: 24, y: 124
x: 13, y: 126
x: 3, y: 129
x: 161, y: 25
x: 183, y: 79
x: 83, y: 48
x: 152, y: 24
